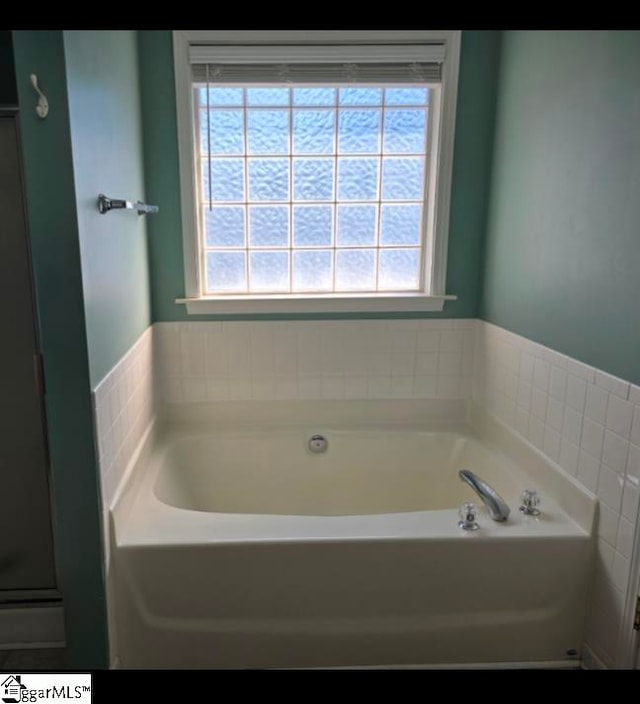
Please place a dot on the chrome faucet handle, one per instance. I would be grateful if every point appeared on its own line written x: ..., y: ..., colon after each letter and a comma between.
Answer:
x: 530, y: 502
x: 468, y: 517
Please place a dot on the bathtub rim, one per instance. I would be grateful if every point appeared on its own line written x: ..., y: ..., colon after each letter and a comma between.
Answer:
x: 571, y: 497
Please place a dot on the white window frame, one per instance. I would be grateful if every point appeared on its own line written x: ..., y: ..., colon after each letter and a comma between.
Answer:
x: 442, y: 152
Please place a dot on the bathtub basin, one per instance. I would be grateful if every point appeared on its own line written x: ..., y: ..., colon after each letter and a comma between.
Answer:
x: 238, y: 548
x: 361, y: 473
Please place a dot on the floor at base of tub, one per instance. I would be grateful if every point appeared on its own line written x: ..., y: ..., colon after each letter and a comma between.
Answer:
x: 52, y: 659
x: 551, y: 665
x: 46, y: 659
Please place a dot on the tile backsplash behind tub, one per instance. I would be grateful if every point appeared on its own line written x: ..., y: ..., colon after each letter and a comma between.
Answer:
x: 331, y: 359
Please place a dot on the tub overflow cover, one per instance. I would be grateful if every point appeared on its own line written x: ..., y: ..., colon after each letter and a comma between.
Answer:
x: 318, y: 444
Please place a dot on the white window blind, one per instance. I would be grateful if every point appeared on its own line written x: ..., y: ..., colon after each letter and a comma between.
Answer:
x: 407, y: 63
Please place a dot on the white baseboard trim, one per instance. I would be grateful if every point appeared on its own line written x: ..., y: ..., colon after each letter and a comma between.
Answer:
x: 32, y: 627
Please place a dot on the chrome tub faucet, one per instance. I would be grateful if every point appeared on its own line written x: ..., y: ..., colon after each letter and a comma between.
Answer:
x: 496, y: 505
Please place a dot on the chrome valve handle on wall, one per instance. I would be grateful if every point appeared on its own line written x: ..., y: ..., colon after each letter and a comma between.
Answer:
x: 106, y: 204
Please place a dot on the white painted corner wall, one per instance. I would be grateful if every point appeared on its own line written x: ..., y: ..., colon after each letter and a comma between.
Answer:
x: 586, y: 421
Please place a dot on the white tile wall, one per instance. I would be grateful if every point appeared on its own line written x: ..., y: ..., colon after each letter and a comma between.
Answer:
x: 332, y: 359
x: 123, y: 404
x: 589, y: 423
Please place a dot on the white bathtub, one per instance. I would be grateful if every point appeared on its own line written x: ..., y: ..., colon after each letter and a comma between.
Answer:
x: 240, y: 549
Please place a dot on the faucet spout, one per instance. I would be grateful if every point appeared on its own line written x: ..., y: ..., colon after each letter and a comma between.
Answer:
x: 496, y: 505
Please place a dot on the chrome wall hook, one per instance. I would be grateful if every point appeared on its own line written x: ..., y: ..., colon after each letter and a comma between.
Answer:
x: 42, y: 108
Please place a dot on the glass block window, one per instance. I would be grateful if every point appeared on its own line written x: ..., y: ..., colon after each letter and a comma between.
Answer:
x: 312, y: 189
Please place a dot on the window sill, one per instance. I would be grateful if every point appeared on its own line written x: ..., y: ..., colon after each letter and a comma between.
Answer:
x: 330, y: 303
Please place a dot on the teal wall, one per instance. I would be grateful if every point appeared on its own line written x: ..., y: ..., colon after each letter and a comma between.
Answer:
x: 473, y: 142
x: 55, y: 249
x: 106, y: 139
x: 563, y: 236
